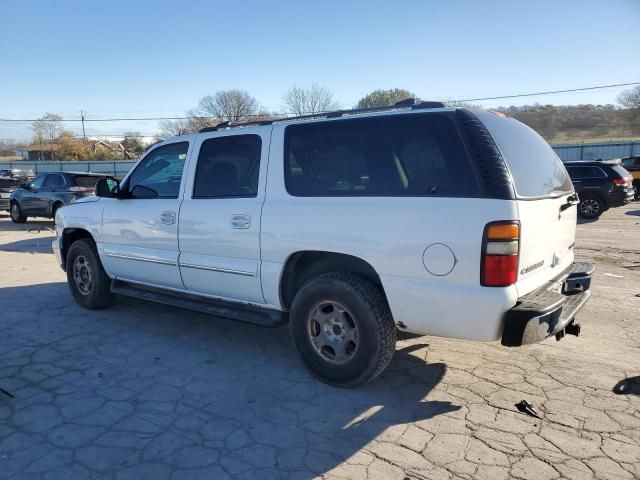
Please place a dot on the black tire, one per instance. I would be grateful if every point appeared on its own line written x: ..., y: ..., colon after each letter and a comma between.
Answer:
x: 54, y: 209
x: 366, y: 309
x: 90, y: 291
x: 591, y: 206
x: 16, y: 213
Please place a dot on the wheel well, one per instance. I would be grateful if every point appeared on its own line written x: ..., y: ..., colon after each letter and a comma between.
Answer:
x: 70, y: 235
x: 301, y: 266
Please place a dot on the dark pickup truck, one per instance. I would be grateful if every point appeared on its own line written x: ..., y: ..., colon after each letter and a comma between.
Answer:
x: 600, y: 185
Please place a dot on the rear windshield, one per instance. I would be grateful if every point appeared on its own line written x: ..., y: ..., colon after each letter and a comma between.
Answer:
x: 86, y: 180
x: 534, y: 166
x: 621, y: 171
x: 396, y: 155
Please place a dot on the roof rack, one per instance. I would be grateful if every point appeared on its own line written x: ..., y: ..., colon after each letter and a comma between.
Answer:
x: 411, y: 103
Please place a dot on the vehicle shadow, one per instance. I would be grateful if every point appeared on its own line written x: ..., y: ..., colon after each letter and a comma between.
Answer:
x: 235, y: 391
x: 635, y: 213
x: 29, y: 245
x: 582, y: 221
x: 628, y: 386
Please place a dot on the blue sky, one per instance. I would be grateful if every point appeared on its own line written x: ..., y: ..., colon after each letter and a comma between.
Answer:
x: 139, y: 58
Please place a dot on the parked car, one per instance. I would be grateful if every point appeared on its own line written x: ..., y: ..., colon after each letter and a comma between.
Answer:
x: 349, y: 226
x: 43, y: 195
x: 8, y: 185
x: 632, y: 164
x: 600, y: 185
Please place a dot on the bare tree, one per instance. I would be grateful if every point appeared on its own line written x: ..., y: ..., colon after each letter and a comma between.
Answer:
x: 172, y: 128
x: 226, y: 105
x: 307, y: 101
x: 48, y: 127
x: 382, y: 98
x: 630, y: 98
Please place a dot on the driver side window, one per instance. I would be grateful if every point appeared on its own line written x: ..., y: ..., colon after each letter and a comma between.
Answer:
x: 36, y: 183
x: 160, y: 173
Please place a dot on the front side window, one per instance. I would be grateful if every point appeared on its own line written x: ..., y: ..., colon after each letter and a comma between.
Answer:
x: 54, y: 180
x: 396, y: 155
x: 228, y: 167
x: 36, y: 183
x: 159, y: 174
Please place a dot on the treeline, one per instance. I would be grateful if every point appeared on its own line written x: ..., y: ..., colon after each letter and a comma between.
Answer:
x: 567, y: 123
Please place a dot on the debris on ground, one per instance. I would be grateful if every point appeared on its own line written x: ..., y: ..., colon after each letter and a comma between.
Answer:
x: 526, y: 407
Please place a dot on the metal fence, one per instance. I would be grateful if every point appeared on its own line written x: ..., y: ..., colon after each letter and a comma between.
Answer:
x: 117, y: 169
x: 574, y: 151
x: 595, y: 151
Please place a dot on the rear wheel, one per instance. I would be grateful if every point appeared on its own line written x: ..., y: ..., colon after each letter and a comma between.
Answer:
x: 16, y: 213
x: 88, y: 282
x: 591, y: 207
x: 342, y: 329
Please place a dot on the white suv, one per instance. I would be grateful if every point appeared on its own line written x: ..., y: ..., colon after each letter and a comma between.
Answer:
x: 349, y: 226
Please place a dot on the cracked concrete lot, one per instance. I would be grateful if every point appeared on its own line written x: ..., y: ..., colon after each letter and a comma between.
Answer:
x: 145, y: 391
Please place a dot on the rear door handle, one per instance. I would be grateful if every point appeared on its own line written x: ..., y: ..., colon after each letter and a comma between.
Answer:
x: 241, y: 221
x: 168, y: 218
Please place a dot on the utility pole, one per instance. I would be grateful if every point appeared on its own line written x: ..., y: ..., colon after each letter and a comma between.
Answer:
x: 82, y: 117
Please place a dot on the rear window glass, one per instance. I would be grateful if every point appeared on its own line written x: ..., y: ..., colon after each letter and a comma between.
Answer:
x: 86, y: 180
x: 534, y: 166
x: 400, y: 155
x: 586, y: 172
x: 621, y: 171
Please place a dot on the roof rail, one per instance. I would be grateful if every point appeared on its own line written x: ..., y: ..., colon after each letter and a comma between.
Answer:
x: 411, y: 103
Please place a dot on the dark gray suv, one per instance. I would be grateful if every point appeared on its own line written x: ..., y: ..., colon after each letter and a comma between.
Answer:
x: 44, y: 194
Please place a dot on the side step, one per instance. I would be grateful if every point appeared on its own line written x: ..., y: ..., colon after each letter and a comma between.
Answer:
x: 241, y: 312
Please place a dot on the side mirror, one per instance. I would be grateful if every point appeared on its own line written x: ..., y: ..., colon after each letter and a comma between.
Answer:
x: 107, y: 187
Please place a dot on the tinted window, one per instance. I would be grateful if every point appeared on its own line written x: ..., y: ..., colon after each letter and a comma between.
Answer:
x: 586, y: 172
x: 400, y: 155
x: 228, y: 167
x: 534, y: 166
x: 54, y: 180
x: 88, y: 181
x: 37, y: 182
x: 160, y: 172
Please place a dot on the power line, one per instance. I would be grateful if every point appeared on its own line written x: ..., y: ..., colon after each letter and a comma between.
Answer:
x: 549, y: 93
x: 284, y: 115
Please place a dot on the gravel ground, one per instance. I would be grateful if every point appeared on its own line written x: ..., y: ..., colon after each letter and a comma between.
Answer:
x: 145, y: 391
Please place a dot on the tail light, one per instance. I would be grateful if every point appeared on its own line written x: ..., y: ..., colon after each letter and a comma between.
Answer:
x: 621, y: 181
x: 80, y: 189
x: 500, y: 254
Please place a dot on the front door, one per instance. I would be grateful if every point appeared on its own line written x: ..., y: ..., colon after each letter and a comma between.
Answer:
x: 30, y: 203
x: 140, y: 232
x: 220, y: 215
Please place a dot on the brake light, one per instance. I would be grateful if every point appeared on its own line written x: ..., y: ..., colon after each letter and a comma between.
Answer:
x: 621, y: 181
x: 80, y: 189
x: 500, y: 254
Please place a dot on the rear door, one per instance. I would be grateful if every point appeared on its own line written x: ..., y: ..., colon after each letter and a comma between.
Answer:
x: 219, y: 221
x: 543, y: 196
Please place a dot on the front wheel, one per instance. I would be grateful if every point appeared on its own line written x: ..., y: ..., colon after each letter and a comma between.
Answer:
x: 591, y: 207
x: 16, y: 213
x: 88, y: 282
x: 342, y: 328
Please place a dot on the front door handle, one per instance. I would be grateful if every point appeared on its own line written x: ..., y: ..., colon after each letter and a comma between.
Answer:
x: 168, y: 218
x: 241, y: 221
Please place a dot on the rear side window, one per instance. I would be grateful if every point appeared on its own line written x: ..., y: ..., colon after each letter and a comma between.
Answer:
x: 88, y: 181
x: 586, y: 172
x: 399, y: 155
x: 228, y: 167
x: 536, y: 170
x: 53, y: 180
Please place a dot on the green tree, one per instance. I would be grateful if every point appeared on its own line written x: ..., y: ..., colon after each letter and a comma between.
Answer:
x: 382, y: 98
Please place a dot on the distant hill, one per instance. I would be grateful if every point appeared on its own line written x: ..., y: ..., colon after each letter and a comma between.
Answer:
x: 576, y: 123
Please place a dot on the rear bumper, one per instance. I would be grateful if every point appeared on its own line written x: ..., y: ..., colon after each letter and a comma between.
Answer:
x: 620, y: 198
x: 546, y: 312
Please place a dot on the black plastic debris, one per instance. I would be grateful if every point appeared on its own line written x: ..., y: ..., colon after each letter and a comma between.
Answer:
x: 526, y: 407
x: 628, y: 386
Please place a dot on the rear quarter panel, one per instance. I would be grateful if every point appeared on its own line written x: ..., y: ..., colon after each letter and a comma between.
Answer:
x: 391, y: 234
